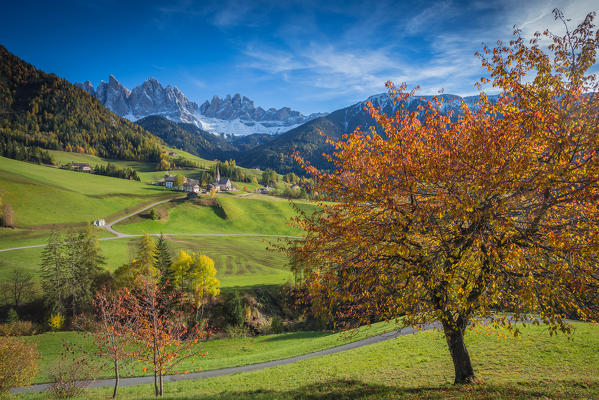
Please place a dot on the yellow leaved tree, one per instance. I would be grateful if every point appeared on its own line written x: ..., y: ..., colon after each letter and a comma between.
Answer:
x: 195, y: 274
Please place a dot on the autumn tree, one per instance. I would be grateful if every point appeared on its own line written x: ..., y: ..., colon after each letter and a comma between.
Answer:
x: 142, y: 266
x: 19, y: 361
x: 109, y: 331
x: 160, y: 332
x: 449, y: 218
x: 195, y: 274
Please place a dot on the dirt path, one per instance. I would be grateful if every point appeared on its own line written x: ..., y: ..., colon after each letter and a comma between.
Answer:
x: 141, y: 380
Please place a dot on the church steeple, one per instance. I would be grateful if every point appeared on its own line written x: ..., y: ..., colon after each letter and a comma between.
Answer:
x: 217, y: 175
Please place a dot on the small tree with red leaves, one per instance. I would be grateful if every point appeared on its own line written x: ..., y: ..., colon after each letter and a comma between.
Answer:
x: 109, y: 330
x: 160, y: 331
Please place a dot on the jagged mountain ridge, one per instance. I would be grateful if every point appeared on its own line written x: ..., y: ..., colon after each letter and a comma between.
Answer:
x: 231, y: 115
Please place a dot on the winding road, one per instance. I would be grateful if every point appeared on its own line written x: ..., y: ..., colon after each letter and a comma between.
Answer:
x: 140, y: 380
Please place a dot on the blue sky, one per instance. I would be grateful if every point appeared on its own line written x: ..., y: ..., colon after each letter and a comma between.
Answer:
x: 309, y: 55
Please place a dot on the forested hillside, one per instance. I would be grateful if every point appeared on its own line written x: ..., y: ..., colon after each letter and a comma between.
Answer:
x: 187, y: 137
x: 40, y: 110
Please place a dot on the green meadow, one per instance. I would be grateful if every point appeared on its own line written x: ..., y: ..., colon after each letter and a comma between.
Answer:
x: 226, y: 214
x: 219, y: 353
x: 242, y: 262
x: 534, y: 365
x: 42, y: 196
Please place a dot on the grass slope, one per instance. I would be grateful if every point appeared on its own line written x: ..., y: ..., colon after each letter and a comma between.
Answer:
x: 232, y: 215
x: 417, y: 366
x: 240, y: 261
x: 42, y: 196
x: 220, y: 353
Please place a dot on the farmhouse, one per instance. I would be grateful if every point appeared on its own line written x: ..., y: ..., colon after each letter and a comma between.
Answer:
x: 169, y: 180
x: 192, y: 186
x: 85, y: 167
x: 99, y: 222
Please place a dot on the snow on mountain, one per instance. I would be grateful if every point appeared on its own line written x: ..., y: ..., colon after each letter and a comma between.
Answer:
x: 355, y: 114
x: 232, y: 115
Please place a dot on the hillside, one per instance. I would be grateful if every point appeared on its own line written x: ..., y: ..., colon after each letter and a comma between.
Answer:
x: 45, y: 196
x: 309, y: 139
x: 43, y: 110
x: 188, y: 137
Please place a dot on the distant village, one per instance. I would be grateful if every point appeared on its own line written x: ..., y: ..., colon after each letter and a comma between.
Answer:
x: 192, y: 186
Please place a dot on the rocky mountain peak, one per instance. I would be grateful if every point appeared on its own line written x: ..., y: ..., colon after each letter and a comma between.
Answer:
x: 232, y: 114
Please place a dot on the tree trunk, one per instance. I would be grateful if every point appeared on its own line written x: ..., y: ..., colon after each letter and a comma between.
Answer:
x: 116, y: 378
x: 155, y: 383
x: 160, y: 384
x: 454, y: 334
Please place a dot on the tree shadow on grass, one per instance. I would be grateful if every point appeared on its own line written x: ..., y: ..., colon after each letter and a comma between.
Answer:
x: 298, y: 335
x: 354, y: 389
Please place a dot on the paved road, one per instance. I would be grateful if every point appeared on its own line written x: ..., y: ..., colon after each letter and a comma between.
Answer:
x: 140, y: 380
x: 110, y: 229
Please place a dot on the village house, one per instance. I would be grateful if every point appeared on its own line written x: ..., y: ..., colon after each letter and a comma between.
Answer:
x: 169, y: 181
x: 85, y: 167
x: 99, y: 222
x: 192, y: 186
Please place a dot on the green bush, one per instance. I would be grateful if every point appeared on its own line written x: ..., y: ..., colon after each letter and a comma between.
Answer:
x: 276, y: 325
x: 12, y: 316
x: 234, y: 332
x: 234, y: 310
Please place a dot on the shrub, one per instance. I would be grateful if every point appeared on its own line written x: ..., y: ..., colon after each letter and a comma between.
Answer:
x: 18, y: 363
x: 56, y: 321
x: 12, y: 316
x: 276, y: 325
x: 154, y: 215
x: 19, y: 328
x: 7, y: 219
x: 234, y: 309
x: 234, y: 332
x: 70, y: 376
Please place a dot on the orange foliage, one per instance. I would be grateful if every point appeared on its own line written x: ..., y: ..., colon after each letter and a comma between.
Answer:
x: 451, y: 218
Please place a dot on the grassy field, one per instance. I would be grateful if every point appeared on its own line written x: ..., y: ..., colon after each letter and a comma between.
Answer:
x: 41, y: 195
x: 240, y: 261
x: 230, y: 215
x: 535, y: 365
x: 145, y: 170
x: 220, y: 353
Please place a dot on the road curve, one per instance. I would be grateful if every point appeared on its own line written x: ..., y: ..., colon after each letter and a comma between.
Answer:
x: 140, y: 380
x: 118, y: 234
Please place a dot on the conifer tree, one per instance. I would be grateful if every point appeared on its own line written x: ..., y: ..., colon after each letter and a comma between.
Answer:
x: 54, y: 274
x: 163, y: 259
x: 84, y: 260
